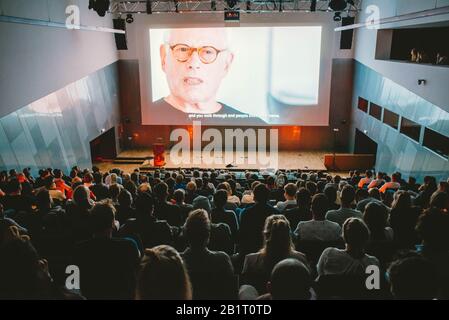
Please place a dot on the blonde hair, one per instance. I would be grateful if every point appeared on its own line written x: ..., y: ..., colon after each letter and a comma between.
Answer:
x: 278, y: 242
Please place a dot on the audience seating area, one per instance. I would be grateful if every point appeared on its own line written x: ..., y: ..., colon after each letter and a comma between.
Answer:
x: 199, y: 234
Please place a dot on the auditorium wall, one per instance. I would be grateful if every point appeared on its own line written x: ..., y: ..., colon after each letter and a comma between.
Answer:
x: 394, y: 86
x: 55, y: 131
x: 36, y: 60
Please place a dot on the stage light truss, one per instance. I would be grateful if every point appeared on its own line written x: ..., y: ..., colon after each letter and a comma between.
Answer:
x: 210, y: 6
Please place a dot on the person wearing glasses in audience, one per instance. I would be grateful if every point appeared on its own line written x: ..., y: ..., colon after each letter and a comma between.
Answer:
x: 195, y: 62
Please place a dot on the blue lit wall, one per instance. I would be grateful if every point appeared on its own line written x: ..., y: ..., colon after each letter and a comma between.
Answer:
x: 56, y: 130
x: 397, y: 152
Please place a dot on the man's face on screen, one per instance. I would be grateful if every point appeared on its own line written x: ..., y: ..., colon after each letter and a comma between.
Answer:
x: 193, y: 75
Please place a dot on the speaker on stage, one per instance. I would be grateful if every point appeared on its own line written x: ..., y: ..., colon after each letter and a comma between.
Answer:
x: 120, y: 39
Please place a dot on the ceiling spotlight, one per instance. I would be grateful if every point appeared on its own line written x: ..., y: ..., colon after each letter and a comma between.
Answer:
x: 129, y: 18
x: 337, y: 16
x: 99, y: 6
x: 231, y: 3
x: 338, y: 5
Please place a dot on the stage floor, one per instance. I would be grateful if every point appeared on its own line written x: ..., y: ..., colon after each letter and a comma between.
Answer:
x: 289, y: 160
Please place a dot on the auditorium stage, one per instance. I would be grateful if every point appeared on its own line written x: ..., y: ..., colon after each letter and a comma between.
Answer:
x: 289, y: 160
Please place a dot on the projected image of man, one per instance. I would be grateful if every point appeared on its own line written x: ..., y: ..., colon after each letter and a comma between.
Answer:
x: 195, y: 62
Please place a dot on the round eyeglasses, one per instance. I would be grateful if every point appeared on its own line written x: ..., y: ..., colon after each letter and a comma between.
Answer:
x: 207, y: 54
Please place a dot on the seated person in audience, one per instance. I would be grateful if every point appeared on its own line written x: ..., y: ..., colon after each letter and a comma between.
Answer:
x: 179, y: 182
x: 220, y: 215
x: 146, y: 227
x: 131, y: 187
x: 220, y: 233
x: 100, y: 190
x: 403, y: 219
x: 353, y: 260
x: 290, y: 280
x: 331, y: 193
x: 10, y: 229
x: 373, y: 196
x: 378, y: 182
x: 423, y: 57
x: 88, y: 180
x: 112, y: 178
x: 413, y: 278
x: 163, y: 276
x: 318, y: 229
x: 355, y: 179
x: 144, y: 187
x: 432, y: 227
x: 61, y: 184
x: 339, y: 216
x: 24, y: 275
x: 365, y: 181
x: 235, y: 187
x: 207, y: 184
x: 440, y: 200
x: 230, y: 205
x: 179, y: 197
x: 289, y: 195
x: 376, y: 216
x: 387, y: 198
x: 57, y: 196
x: 190, y: 192
x: 393, y: 184
x: 252, y: 221
x: 443, y: 186
x: 232, y: 198
x: 27, y: 173
x: 311, y: 187
x: 335, y: 181
x: 414, y: 55
x: 201, y: 190
x: 302, y: 210
x: 248, y: 195
x: 48, y: 219
x: 278, y: 245
x: 382, y: 236
x: 14, y: 200
x: 114, y: 191
x: 320, y: 185
x: 425, y: 192
x: 412, y: 185
x: 107, y: 265
x: 40, y: 180
x: 211, y: 272
x: 125, y: 208
x: 164, y: 210
x: 78, y: 213
x: 276, y: 191
x: 442, y: 59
